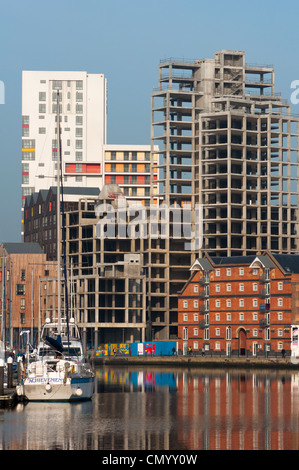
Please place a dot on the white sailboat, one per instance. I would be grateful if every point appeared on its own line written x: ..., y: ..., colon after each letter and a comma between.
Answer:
x: 58, y: 371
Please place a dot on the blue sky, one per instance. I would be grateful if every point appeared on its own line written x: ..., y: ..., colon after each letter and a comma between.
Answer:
x: 125, y: 40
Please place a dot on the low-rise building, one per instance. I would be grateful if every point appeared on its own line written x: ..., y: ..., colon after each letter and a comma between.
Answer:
x: 242, y: 305
x: 22, y: 268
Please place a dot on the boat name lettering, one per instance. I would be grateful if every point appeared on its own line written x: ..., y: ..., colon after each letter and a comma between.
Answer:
x: 45, y: 380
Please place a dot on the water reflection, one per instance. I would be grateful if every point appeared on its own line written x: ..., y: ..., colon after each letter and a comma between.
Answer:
x: 162, y: 409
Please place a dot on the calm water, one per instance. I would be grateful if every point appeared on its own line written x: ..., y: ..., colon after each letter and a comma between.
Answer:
x: 165, y: 409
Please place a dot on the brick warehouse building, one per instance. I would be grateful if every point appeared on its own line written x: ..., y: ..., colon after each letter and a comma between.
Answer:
x: 242, y: 305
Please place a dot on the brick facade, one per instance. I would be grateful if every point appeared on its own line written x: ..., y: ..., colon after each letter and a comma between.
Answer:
x: 245, y: 305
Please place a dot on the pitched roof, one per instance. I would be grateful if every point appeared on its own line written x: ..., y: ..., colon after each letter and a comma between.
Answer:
x: 290, y: 263
x: 22, y: 248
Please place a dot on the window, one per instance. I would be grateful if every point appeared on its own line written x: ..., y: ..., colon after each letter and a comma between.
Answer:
x: 254, y: 303
x: 195, y: 288
x: 185, y: 317
x: 195, y: 331
x: 217, y: 303
x: 41, y: 130
x: 267, y: 334
x: 241, y: 316
x: 255, y: 333
x: 22, y: 304
x: 79, y: 84
x: 280, y: 346
x: 241, y: 287
x: 217, y: 287
x: 228, y: 272
x: 280, y: 302
x: 255, y: 287
x: 217, y: 272
x: 228, y: 333
x: 42, y: 108
x: 228, y: 287
x: 195, y: 303
x: 217, y: 332
x: 217, y: 346
x: 228, y: 317
x: 217, y: 317
x: 42, y: 96
x: 206, y: 334
x: 254, y: 316
x: 228, y: 303
x: 280, y: 286
x: 280, y: 316
x: 195, y: 317
x: 255, y: 272
x: 23, y: 274
x: 79, y: 120
x: 185, y: 304
x: 185, y: 333
x: 79, y: 156
x: 241, y: 302
x: 79, y: 132
x: 280, y: 332
x: 20, y: 289
x: 241, y: 271
x: 22, y: 318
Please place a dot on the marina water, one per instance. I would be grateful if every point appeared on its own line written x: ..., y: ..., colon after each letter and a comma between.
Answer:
x: 157, y: 408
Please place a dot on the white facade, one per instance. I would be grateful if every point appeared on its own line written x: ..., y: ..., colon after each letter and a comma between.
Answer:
x: 83, y: 128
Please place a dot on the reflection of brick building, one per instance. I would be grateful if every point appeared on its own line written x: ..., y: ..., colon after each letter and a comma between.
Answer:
x: 243, y: 305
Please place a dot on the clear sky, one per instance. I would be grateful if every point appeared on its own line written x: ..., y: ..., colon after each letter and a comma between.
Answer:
x: 125, y: 40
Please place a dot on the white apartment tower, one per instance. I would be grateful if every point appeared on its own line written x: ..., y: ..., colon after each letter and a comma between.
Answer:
x: 83, y: 109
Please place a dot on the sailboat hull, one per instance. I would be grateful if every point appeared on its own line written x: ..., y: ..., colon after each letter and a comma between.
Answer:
x: 57, y: 389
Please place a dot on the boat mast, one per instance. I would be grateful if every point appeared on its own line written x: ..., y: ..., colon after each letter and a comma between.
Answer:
x: 58, y: 221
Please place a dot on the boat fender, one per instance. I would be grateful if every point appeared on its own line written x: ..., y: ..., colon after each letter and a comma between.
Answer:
x: 72, y: 369
x: 48, y: 388
x: 19, y: 390
x: 79, y: 392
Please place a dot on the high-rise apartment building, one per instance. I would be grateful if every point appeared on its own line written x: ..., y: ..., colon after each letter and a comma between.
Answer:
x: 83, y: 124
x: 229, y: 144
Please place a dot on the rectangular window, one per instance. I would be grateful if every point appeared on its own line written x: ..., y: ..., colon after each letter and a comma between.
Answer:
x: 217, y: 272
x: 228, y: 303
x: 185, y: 333
x: 280, y: 286
x: 22, y: 304
x: 228, y: 272
x: 228, y: 287
x: 185, y: 317
x: 241, y: 287
x: 20, y: 289
x: 195, y: 317
x: 217, y: 287
x: 185, y: 304
x: 195, y: 331
x: 241, y: 271
x: 195, y: 288
x: 42, y: 108
x: 255, y: 287
x: 42, y: 96
x: 23, y: 274
x: 195, y: 303
x: 217, y: 332
x: 241, y: 316
x: 217, y: 303
x: 241, y: 303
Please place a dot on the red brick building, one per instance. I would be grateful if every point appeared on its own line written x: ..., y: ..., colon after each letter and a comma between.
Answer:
x: 244, y: 305
x: 25, y: 275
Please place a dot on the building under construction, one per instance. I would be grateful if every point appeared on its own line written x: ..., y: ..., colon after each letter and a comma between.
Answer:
x: 228, y: 143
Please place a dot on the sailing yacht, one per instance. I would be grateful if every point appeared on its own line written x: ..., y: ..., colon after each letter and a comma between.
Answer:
x: 59, y: 370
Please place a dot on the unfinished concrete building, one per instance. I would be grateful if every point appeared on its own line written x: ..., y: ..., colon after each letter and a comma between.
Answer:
x: 228, y: 143
x: 107, y: 275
